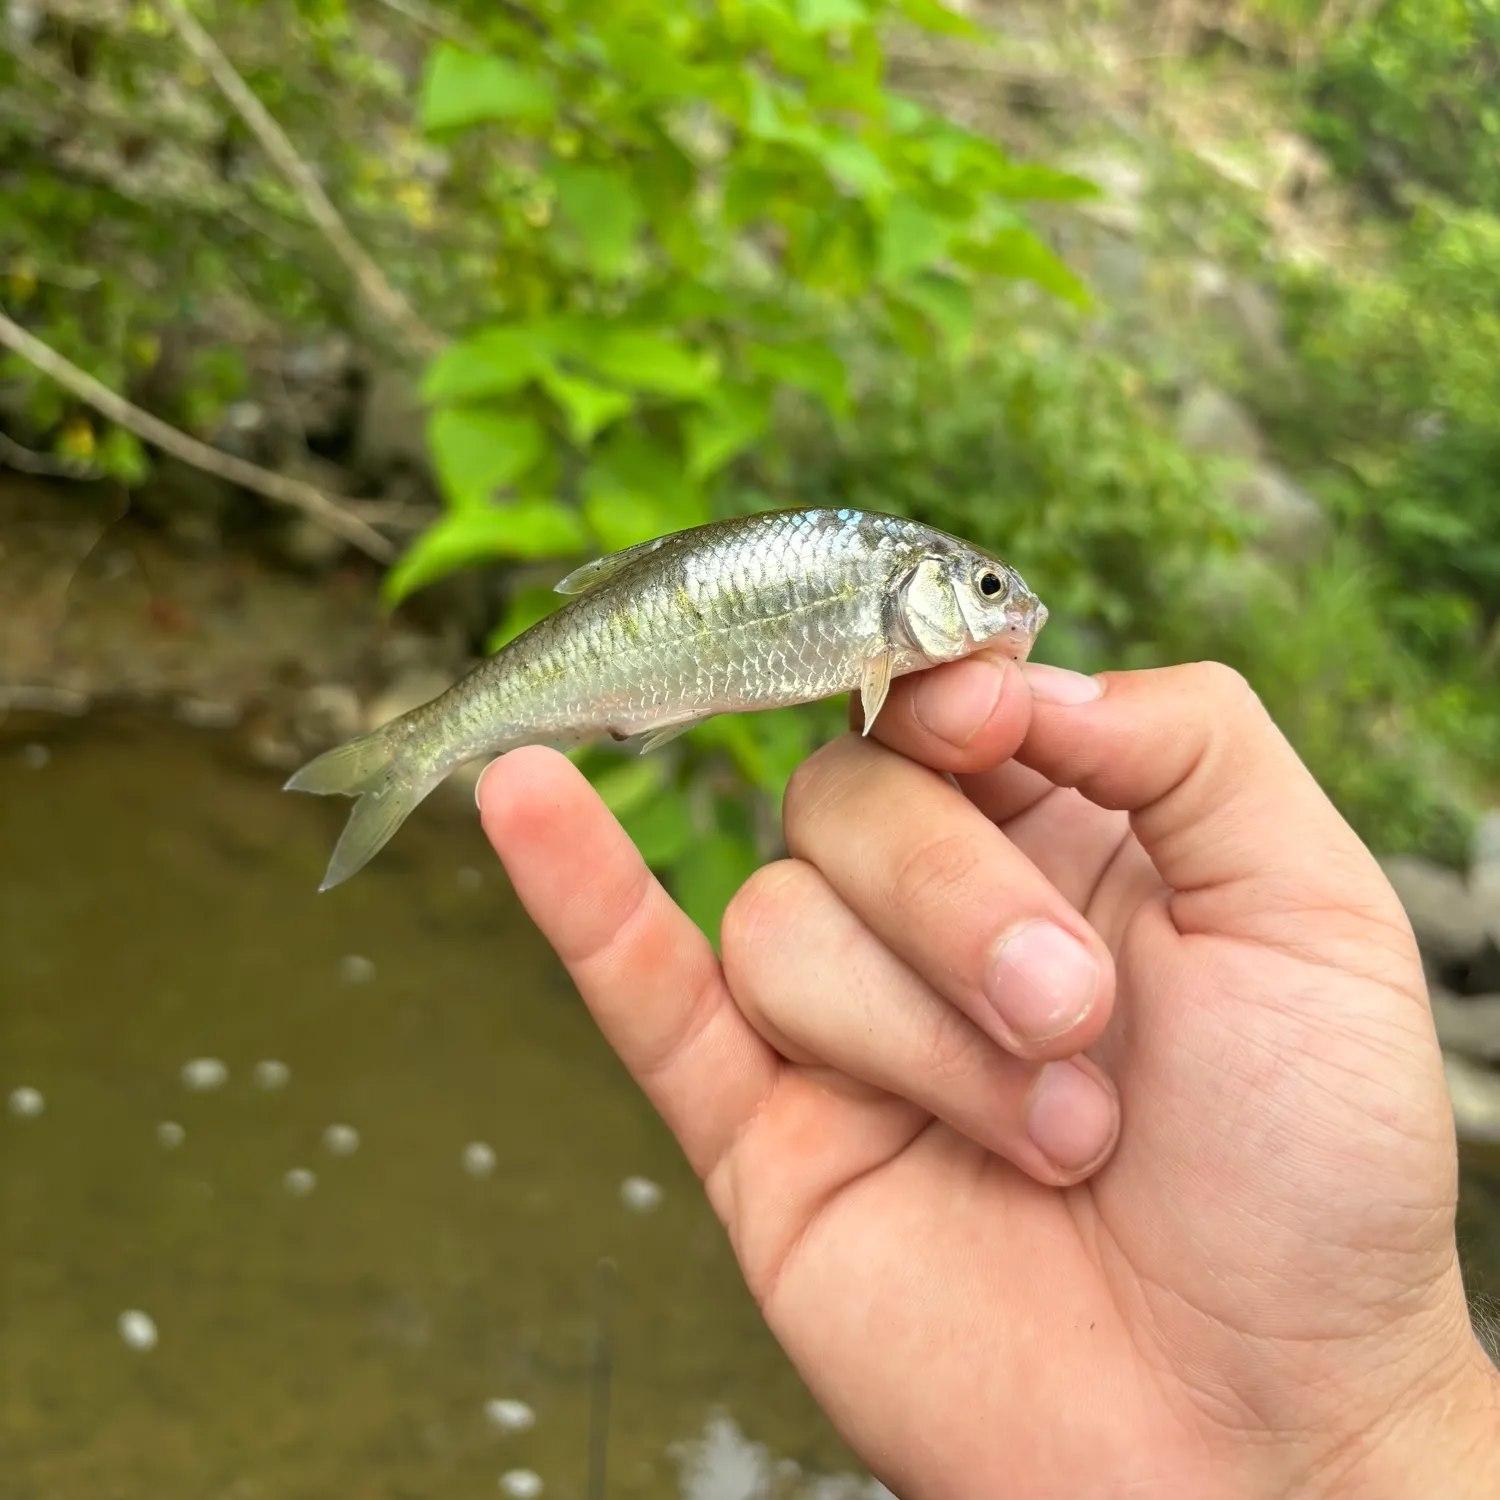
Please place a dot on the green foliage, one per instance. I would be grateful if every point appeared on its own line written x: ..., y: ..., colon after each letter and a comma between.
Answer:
x: 1405, y: 99
x: 693, y: 207
x: 699, y: 259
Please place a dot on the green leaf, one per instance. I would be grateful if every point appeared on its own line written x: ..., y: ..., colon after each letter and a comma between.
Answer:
x: 645, y: 360
x: 121, y: 456
x: 722, y: 427
x: 524, y: 529
x: 948, y: 304
x: 604, y: 210
x: 1026, y: 181
x: 636, y: 489
x: 478, y: 452
x: 1019, y: 253
x: 911, y: 239
x: 622, y: 517
x: 857, y: 166
x: 495, y: 361
x: 588, y: 408
x: 932, y: 16
x: 465, y: 88
x: 767, y: 747
x: 524, y: 609
x: 625, y: 787
x: 818, y: 16
x: 809, y: 366
x: 662, y: 829
x: 707, y: 876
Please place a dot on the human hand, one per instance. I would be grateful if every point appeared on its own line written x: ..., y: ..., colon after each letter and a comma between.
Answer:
x: 1255, y: 1293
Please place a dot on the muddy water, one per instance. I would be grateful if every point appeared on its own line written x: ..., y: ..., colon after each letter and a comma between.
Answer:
x: 338, y: 1333
x: 157, y: 906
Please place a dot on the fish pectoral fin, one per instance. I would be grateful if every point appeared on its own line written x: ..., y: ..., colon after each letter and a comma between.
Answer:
x: 659, y: 737
x: 875, y: 684
x: 602, y: 569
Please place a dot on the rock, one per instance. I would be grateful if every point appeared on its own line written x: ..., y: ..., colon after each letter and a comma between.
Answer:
x: 311, y: 546
x: 404, y: 693
x: 1291, y: 523
x: 327, y: 715
x: 1475, y: 1092
x: 1210, y: 421
x: 391, y: 433
x: 1484, y: 872
x: 1122, y: 183
x: 1470, y: 1027
x: 1241, y: 315
x: 1440, y: 907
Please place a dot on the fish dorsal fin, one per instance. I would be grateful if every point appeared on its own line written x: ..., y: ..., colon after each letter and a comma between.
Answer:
x: 602, y: 569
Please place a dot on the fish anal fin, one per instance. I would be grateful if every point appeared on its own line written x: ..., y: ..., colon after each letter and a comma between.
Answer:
x: 659, y: 737
x: 875, y: 685
x: 602, y: 569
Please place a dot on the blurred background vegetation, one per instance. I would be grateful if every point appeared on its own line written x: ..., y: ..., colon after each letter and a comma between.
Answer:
x: 1189, y: 310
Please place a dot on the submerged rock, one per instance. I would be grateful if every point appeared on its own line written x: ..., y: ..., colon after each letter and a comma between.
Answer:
x: 1440, y: 906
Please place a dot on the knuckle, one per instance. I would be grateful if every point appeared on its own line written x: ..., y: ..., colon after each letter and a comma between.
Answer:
x: 1221, y: 688
x: 949, y: 1050
x: 932, y: 873
x: 762, y: 907
x: 812, y: 786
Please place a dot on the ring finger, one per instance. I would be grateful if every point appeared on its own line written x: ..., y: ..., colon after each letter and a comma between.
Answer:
x: 825, y: 991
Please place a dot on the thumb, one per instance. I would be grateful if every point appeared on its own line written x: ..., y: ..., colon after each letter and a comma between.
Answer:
x: 1232, y: 819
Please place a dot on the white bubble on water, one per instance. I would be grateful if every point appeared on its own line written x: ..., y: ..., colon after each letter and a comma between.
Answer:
x: 203, y: 1074
x: 26, y: 1103
x: 270, y: 1074
x: 34, y: 757
x: 470, y: 879
x: 354, y: 968
x: 341, y: 1140
x: 170, y: 1135
x: 510, y: 1416
x: 521, y: 1484
x: 137, y: 1329
x: 299, y: 1182
x: 479, y: 1159
x: 641, y: 1195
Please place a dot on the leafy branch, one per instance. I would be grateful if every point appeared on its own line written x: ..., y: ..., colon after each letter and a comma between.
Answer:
x: 380, y: 294
x: 280, y: 488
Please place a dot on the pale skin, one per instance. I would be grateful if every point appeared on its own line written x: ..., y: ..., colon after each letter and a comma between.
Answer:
x: 1158, y: 1204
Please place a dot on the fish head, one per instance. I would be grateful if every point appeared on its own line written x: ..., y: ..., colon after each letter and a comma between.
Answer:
x: 955, y: 603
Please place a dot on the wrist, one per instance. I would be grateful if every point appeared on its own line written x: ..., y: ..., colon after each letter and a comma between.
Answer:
x: 1447, y: 1444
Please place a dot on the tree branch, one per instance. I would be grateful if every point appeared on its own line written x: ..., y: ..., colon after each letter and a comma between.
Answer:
x: 381, y: 295
x: 281, y: 488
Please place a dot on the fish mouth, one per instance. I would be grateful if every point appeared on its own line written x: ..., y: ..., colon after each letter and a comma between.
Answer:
x: 1024, y: 629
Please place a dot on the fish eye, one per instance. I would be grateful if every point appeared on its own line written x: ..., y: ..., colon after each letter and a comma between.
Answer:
x: 990, y: 583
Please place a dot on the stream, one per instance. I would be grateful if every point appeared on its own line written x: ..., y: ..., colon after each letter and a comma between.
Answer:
x: 460, y: 1141
x: 295, y: 1188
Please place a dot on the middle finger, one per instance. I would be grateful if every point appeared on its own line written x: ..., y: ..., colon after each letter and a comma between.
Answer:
x: 952, y: 896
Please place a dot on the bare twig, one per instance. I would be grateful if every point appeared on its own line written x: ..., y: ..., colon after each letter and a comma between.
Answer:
x: 377, y: 290
x: 281, y: 488
x: 433, y: 20
x: 25, y: 461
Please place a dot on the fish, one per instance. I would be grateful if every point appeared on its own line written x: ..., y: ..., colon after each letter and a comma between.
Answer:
x: 758, y: 612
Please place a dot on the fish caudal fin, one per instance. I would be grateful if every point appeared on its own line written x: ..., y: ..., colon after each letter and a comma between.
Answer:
x: 381, y: 771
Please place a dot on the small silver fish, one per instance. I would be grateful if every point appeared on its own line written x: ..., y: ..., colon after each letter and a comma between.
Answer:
x: 759, y: 612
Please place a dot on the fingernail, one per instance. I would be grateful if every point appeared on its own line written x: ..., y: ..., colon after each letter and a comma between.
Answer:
x: 1071, y: 1118
x: 479, y: 784
x: 1042, y: 982
x: 1058, y: 685
x: 954, y: 703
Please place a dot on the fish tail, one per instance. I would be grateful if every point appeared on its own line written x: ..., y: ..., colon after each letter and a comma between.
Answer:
x: 388, y: 775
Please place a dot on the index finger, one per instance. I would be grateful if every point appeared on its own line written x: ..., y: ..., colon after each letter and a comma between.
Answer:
x: 644, y: 969
x: 1234, y: 822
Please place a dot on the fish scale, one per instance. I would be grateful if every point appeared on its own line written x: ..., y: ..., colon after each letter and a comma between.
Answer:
x: 759, y: 612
